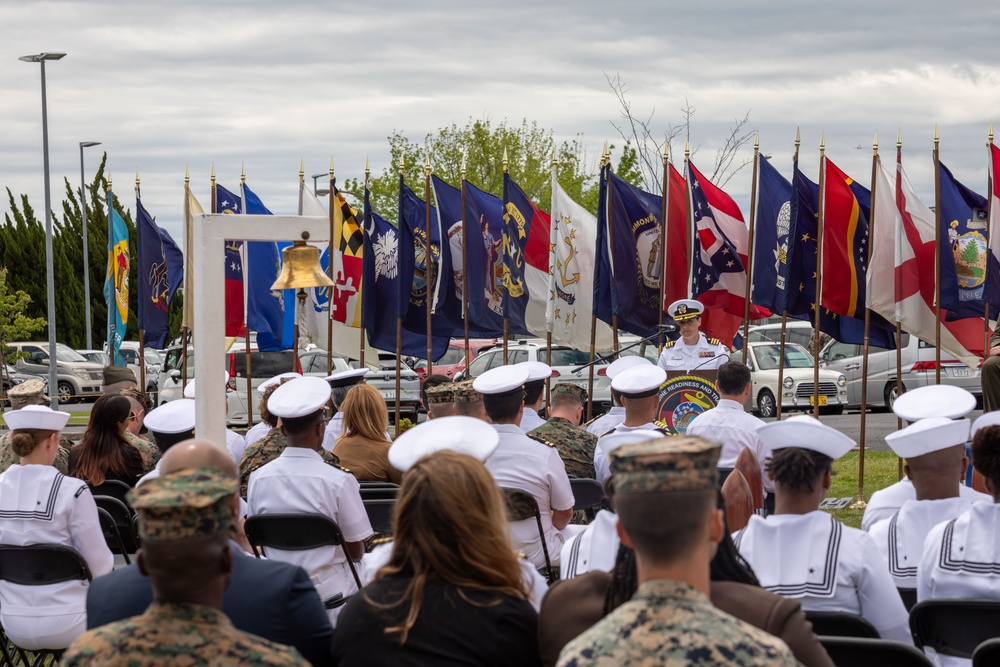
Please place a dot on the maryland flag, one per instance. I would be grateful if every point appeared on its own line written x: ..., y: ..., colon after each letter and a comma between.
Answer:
x: 348, y: 261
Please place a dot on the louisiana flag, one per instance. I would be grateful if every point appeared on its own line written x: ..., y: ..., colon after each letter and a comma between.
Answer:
x: 227, y: 202
x: 845, y: 245
x: 526, y: 238
x: 161, y: 270
x: 964, y: 248
x: 116, y: 282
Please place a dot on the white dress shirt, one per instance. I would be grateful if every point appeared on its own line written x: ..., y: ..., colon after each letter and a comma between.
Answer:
x: 299, y: 481
x: 900, y: 539
x: 256, y: 432
x: 236, y: 444
x: 602, y: 457
x: 596, y: 548
x: 736, y: 429
x: 703, y: 355
x: 522, y: 463
x: 39, y: 505
x: 825, y: 565
x: 530, y: 420
x: 885, y: 502
x: 607, y: 421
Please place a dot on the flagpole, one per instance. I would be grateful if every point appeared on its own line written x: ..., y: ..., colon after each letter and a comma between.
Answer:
x: 329, y: 273
x: 465, y: 270
x: 552, y: 293
x: 428, y: 261
x: 817, y: 306
x: 363, y: 341
x: 753, y: 214
x: 937, y: 258
x: 593, y: 324
x: 142, y: 333
x: 784, y: 310
x: 188, y: 276
x: 246, y: 304
x: 868, y: 317
x: 665, y: 191
x: 399, y: 323
x: 611, y: 248
x: 989, y: 235
x: 899, y: 325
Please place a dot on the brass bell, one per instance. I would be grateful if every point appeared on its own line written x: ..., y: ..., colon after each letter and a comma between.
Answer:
x: 300, y: 267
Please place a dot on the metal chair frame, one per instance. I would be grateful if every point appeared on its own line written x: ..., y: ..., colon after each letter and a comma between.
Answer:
x: 522, y: 506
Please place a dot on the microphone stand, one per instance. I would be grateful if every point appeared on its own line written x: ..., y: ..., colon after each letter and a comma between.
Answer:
x: 662, y: 329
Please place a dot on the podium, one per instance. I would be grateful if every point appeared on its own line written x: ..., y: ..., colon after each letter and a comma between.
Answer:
x: 684, y: 396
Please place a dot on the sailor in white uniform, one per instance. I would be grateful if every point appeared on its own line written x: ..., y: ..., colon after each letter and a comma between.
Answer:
x: 39, y: 505
x: 639, y: 388
x: 340, y: 384
x: 169, y: 424
x: 616, y: 415
x: 466, y: 435
x: 534, y: 393
x: 804, y: 553
x: 298, y: 481
x: 260, y: 429
x: 921, y: 403
x: 236, y: 444
x: 526, y: 464
x: 961, y: 557
x: 693, y: 350
x: 934, y: 450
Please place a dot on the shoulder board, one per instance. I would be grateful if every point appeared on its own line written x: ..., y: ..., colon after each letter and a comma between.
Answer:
x: 591, y: 420
x: 669, y: 343
x: 521, y: 555
x: 662, y: 423
x: 715, y: 341
x: 541, y: 440
x: 337, y: 465
x: 381, y: 540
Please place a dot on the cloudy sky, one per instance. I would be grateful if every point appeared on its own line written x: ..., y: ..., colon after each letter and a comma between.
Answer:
x: 163, y: 85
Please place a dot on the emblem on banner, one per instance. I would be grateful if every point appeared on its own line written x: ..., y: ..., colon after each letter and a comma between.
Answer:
x: 683, y: 398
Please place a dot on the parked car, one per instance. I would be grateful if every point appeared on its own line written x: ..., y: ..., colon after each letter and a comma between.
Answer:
x: 77, y: 378
x: 918, y: 369
x: 453, y: 360
x: 564, y: 362
x: 384, y: 380
x: 795, y: 385
x: 796, y: 331
x: 96, y: 356
x: 9, y: 377
x: 314, y: 363
x: 129, y: 351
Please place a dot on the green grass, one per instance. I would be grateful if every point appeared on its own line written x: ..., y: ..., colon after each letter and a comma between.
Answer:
x: 880, y: 471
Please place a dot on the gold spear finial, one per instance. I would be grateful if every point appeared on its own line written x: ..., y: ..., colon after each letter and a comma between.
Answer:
x: 243, y: 172
x: 937, y: 138
x: 666, y: 152
x: 368, y: 168
x: 137, y: 178
x: 302, y: 170
x: 331, y: 167
x: 463, y: 166
x: 899, y: 139
x: 990, y: 135
x: 402, y: 163
x: 687, y: 149
x: 756, y: 141
x: 213, y: 172
x: 505, y: 160
x: 109, y: 180
x: 554, y: 163
x: 822, y: 141
x: 798, y: 139
x: 427, y: 164
x: 604, y: 152
x: 875, y: 144
x: 187, y: 174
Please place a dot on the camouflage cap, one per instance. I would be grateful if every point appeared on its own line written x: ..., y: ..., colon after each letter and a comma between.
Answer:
x: 183, y: 505
x: 28, y: 392
x: 442, y: 393
x: 464, y: 393
x: 143, y: 398
x: 571, y: 389
x: 116, y: 374
x: 666, y: 464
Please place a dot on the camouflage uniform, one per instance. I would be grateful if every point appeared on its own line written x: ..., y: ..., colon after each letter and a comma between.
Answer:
x: 150, y: 453
x: 266, y: 450
x: 175, y: 633
x: 576, y: 446
x: 672, y: 623
x: 9, y: 458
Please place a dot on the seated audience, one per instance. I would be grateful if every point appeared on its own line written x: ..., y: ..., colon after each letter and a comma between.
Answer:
x: 104, y: 453
x: 363, y: 448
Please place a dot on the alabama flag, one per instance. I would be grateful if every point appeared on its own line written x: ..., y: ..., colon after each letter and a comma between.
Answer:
x: 903, y: 256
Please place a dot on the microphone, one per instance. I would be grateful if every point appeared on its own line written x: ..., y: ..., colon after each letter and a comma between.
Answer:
x: 666, y: 328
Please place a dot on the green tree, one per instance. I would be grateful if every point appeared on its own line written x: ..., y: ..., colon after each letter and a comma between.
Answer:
x: 15, y: 324
x: 970, y: 255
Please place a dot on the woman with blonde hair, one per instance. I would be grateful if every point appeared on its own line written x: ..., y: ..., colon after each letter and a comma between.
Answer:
x: 363, y: 449
x: 452, y: 592
x: 39, y: 505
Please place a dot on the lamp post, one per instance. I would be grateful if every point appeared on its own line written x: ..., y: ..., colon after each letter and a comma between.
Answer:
x: 316, y: 191
x: 86, y: 248
x: 50, y: 288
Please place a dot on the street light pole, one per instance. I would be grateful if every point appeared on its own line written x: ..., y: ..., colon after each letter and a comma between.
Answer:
x: 86, y: 248
x: 50, y: 286
x: 314, y: 177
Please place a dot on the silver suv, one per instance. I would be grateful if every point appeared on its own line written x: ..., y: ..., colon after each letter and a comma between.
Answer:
x: 384, y: 379
x: 77, y: 378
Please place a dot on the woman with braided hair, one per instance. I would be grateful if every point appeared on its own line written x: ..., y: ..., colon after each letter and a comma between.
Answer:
x: 802, y: 552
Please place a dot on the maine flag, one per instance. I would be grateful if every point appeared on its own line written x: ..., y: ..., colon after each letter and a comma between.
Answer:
x: 161, y: 270
x: 227, y: 202
x: 526, y: 239
x: 964, y: 248
x: 770, y: 265
x: 116, y: 282
x: 265, y: 309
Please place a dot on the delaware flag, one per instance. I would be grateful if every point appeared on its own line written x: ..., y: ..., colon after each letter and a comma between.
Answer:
x: 161, y: 270
x: 770, y: 254
x: 964, y: 248
x: 116, y: 282
x: 526, y: 238
x: 265, y: 309
x: 227, y: 202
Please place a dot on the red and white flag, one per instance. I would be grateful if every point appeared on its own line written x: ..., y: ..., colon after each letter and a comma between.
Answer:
x: 901, y: 272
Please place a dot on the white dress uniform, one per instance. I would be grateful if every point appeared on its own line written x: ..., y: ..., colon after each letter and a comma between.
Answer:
x: 900, y: 539
x: 236, y: 444
x: 736, y: 429
x: 886, y: 502
x: 256, y: 432
x: 530, y: 420
x: 706, y: 354
x: 39, y: 505
x: 298, y: 481
x: 826, y: 566
x: 596, y: 548
x: 615, y: 438
x: 607, y: 421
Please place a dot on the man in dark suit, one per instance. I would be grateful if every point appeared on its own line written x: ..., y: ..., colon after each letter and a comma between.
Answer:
x: 273, y: 600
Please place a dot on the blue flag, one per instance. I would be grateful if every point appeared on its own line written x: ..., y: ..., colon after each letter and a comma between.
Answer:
x: 526, y: 260
x: 265, y: 311
x: 161, y: 270
x: 380, y: 297
x: 637, y: 258
x: 605, y: 301
x: 116, y: 282
x: 484, y: 258
x: 964, y: 249
x: 770, y: 265
x: 412, y: 304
